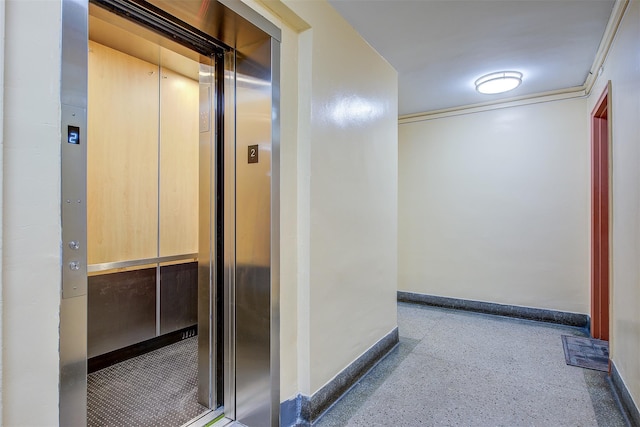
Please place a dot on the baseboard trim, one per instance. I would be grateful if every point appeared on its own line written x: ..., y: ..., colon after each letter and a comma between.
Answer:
x: 529, y: 313
x: 105, y: 360
x: 302, y: 411
x: 623, y: 396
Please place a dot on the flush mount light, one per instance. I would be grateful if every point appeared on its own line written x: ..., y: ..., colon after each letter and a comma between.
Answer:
x: 499, y: 82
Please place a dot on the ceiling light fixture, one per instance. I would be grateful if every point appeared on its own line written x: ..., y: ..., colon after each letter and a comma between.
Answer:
x: 502, y: 81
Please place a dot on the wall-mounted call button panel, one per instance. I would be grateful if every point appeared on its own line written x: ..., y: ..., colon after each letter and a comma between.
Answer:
x: 74, y: 207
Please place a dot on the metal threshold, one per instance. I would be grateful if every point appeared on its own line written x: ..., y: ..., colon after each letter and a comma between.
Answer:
x: 212, y: 419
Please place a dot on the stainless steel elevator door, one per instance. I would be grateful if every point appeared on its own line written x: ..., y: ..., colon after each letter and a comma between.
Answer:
x: 243, y: 383
x: 208, y: 312
x: 253, y: 295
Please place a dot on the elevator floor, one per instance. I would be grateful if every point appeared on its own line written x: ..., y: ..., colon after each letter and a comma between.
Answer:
x: 156, y: 389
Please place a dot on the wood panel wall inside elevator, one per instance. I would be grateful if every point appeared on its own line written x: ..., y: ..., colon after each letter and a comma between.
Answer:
x: 142, y: 201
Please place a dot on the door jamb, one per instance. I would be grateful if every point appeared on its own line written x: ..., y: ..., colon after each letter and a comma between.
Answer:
x: 601, y: 215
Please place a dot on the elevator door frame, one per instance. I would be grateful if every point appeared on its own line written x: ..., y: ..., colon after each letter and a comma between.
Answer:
x: 242, y: 29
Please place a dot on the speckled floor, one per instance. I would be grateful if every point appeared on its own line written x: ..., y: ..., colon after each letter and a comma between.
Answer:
x: 456, y: 368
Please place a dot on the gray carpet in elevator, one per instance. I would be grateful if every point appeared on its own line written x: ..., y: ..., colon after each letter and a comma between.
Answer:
x: 156, y: 389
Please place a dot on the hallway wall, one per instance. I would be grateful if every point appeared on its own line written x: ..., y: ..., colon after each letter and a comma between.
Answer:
x: 494, y: 206
x: 621, y: 67
x: 31, y: 207
x: 353, y: 194
x: 343, y: 134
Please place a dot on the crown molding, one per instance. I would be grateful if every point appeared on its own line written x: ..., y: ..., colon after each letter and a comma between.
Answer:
x: 619, y: 9
x: 617, y: 13
x: 556, y: 95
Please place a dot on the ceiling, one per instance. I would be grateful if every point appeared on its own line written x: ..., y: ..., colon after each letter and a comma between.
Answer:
x: 440, y: 47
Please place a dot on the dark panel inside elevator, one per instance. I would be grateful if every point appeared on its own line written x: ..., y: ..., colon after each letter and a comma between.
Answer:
x: 122, y: 306
x: 122, y: 310
x: 178, y: 296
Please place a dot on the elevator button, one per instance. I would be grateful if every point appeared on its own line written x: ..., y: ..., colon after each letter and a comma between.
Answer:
x: 74, y: 244
x: 74, y: 266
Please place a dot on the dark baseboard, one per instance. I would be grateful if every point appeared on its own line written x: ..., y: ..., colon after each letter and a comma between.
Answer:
x: 105, y: 360
x: 623, y: 397
x: 529, y: 313
x: 302, y: 411
x: 291, y: 412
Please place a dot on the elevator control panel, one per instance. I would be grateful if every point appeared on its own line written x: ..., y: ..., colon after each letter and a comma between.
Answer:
x: 73, y: 203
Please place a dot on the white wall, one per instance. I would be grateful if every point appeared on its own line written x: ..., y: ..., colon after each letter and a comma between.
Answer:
x: 31, y: 207
x: 622, y: 68
x: 353, y: 204
x: 494, y: 206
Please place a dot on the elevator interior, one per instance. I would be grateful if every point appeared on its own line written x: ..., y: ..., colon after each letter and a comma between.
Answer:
x: 170, y: 130
x: 142, y: 211
x: 142, y: 190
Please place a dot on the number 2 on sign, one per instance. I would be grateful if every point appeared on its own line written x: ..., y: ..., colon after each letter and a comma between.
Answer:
x: 253, y: 154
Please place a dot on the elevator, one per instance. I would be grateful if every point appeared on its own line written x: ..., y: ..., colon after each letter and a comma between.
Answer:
x: 169, y: 208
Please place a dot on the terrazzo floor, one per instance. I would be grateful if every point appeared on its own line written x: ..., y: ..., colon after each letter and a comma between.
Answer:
x: 456, y: 368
